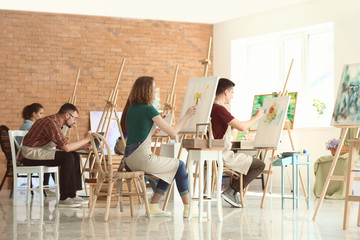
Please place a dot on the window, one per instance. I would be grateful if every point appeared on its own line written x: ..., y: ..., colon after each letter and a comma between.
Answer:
x: 260, y: 65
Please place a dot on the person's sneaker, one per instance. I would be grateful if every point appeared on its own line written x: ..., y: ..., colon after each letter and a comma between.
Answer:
x: 195, y: 212
x: 49, y: 191
x: 229, y: 196
x: 238, y: 199
x: 80, y: 200
x: 68, y: 203
x: 155, y: 211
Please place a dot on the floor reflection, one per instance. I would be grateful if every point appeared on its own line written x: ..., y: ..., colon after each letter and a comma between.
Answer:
x: 271, y: 222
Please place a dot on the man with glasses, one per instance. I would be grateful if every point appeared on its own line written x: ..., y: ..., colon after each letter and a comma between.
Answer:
x: 46, y: 145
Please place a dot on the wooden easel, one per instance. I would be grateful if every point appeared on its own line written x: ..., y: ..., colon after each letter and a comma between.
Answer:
x: 184, y: 135
x: 330, y: 175
x: 109, y: 114
x: 169, y: 108
x: 207, y: 60
x: 287, y: 128
x: 72, y: 100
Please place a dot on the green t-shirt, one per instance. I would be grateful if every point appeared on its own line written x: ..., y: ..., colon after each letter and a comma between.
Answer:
x: 139, y: 122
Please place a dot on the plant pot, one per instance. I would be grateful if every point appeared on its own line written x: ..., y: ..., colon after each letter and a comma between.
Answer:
x: 344, y: 149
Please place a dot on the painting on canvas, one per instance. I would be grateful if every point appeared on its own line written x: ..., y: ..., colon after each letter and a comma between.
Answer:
x: 113, y: 133
x: 347, y: 105
x: 201, y: 93
x: 272, y: 122
x: 258, y: 103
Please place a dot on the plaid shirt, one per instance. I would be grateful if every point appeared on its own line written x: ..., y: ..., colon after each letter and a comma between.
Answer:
x: 45, y: 130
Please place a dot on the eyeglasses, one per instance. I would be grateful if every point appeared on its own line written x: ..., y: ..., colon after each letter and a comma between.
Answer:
x: 75, y: 118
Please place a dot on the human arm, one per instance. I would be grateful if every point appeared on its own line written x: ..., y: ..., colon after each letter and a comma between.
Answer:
x: 173, y: 130
x: 245, y: 125
x: 82, y: 144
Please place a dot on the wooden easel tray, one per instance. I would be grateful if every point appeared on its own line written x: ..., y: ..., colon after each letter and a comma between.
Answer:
x: 203, y: 143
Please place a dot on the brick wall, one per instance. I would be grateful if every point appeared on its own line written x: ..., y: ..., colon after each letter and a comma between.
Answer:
x: 42, y: 52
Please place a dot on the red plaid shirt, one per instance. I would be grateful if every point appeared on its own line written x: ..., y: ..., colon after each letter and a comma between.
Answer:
x: 45, y: 130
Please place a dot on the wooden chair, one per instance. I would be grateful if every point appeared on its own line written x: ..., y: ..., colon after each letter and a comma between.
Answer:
x: 106, y: 174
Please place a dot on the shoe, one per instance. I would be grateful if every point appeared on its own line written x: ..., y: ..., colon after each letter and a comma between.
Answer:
x: 195, y: 212
x: 49, y: 191
x: 229, y: 196
x: 155, y: 211
x: 68, y: 203
x: 80, y: 200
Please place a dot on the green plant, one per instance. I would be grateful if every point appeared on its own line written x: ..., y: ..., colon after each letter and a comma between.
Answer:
x: 319, y: 106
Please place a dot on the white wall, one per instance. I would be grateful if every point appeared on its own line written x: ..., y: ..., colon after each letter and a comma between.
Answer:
x: 344, y: 14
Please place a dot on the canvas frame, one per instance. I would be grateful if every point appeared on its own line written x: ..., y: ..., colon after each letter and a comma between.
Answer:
x: 206, y: 86
x: 347, y: 106
x: 291, y: 109
x: 272, y: 123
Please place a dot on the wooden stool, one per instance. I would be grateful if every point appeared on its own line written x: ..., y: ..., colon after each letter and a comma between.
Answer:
x: 209, y: 155
x: 349, y: 177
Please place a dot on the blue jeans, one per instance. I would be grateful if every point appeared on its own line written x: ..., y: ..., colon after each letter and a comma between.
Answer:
x: 181, y: 177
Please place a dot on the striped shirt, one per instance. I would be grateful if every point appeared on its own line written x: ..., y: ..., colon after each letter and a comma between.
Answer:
x: 45, y: 130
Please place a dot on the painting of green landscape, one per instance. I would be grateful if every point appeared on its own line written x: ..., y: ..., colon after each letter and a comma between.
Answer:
x: 259, y: 100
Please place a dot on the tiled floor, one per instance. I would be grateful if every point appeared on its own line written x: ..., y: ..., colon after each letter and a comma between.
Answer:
x: 251, y: 222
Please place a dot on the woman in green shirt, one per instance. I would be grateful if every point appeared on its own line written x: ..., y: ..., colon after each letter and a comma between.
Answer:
x: 141, y: 118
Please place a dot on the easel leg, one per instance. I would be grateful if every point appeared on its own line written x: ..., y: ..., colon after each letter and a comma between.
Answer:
x: 267, y: 178
x: 331, y: 170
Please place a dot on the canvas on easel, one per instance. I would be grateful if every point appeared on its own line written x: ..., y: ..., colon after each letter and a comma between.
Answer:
x: 258, y: 103
x: 347, y: 105
x: 272, y: 122
x: 200, y: 92
x: 346, y: 115
x: 114, y: 132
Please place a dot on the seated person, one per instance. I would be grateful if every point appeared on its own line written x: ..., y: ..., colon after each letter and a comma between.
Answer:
x: 124, y: 129
x: 38, y: 150
x: 222, y: 121
x: 30, y: 114
x: 141, y: 118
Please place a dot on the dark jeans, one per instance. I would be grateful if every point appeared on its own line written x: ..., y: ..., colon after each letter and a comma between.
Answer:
x: 47, y: 178
x: 256, y: 167
x: 70, y: 173
x: 181, y: 177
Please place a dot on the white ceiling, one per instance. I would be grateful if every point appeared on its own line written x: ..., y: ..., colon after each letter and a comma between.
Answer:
x: 199, y: 11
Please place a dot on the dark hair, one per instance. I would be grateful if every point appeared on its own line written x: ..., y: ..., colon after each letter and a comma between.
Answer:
x: 142, y: 91
x: 28, y: 110
x: 223, y: 85
x: 67, y: 107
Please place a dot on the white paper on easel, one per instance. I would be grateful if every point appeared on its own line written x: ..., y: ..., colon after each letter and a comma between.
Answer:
x: 199, y: 92
x: 167, y: 119
x: 272, y: 122
x: 113, y: 134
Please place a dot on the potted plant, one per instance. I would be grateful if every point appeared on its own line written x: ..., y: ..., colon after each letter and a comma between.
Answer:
x: 332, y: 145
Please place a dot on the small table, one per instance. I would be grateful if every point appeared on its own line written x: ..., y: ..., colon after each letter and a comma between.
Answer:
x: 209, y: 155
x: 293, y: 158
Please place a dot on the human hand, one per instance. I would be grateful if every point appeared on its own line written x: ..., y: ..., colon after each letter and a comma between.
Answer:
x: 191, y: 111
x: 87, y: 147
x: 259, y: 113
x: 87, y: 135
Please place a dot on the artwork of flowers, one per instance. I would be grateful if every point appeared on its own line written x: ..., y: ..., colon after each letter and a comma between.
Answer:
x: 347, y: 105
x: 272, y: 122
x: 200, y: 92
x: 259, y: 100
